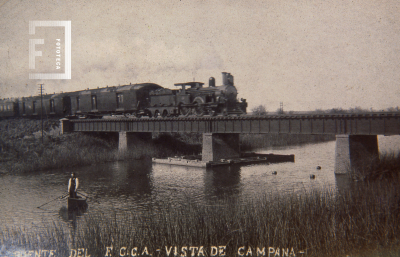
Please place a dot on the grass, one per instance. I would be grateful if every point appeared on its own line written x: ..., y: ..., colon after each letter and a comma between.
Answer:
x: 21, y: 148
x: 363, y: 221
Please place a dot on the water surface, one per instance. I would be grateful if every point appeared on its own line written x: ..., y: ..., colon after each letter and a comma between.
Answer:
x: 138, y: 185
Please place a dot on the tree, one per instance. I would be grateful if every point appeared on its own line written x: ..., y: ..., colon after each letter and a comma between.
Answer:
x: 259, y: 110
x: 393, y: 109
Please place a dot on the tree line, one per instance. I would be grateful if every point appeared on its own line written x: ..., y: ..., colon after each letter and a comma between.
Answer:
x: 261, y: 110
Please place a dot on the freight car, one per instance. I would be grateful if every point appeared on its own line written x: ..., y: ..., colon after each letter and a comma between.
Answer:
x: 134, y: 100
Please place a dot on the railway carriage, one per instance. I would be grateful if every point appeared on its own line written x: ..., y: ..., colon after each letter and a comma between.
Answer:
x: 85, y: 103
x: 9, y: 107
x: 32, y: 106
x: 126, y: 99
x: 60, y: 104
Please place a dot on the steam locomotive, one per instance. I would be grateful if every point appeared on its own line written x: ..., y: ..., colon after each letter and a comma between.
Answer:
x: 134, y: 100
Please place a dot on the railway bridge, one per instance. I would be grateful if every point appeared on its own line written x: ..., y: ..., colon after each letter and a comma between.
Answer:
x: 356, y: 134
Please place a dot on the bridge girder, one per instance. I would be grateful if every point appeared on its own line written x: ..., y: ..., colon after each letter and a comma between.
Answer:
x: 361, y: 124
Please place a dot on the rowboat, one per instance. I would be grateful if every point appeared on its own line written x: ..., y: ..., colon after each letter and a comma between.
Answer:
x: 77, y: 203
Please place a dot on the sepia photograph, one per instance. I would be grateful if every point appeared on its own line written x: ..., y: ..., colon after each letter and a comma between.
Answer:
x: 190, y: 128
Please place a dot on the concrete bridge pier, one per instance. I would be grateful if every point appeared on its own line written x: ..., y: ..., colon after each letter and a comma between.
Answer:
x: 218, y: 146
x: 355, y: 151
x: 65, y: 126
x: 129, y: 139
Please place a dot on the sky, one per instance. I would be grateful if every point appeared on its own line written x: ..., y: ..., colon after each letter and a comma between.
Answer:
x: 307, y: 54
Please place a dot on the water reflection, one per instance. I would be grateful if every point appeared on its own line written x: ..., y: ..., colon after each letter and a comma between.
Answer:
x: 70, y: 215
x: 119, y: 185
x: 221, y: 182
x: 177, y: 185
x: 118, y: 179
x: 131, y: 178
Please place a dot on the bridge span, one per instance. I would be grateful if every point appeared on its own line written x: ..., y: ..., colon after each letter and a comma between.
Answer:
x: 356, y: 134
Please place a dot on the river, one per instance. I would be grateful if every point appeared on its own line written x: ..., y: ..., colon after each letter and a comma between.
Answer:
x: 138, y: 185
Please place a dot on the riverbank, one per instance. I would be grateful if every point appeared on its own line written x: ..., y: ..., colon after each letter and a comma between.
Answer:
x: 363, y: 221
x: 22, y: 149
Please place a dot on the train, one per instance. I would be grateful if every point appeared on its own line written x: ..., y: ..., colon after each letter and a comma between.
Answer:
x: 133, y: 100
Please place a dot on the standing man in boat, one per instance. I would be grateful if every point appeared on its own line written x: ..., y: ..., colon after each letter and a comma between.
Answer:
x: 73, y: 185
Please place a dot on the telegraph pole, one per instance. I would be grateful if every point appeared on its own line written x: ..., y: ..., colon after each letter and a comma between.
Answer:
x: 41, y: 107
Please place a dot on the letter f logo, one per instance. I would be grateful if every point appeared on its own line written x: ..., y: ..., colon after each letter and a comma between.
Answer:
x: 33, y: 53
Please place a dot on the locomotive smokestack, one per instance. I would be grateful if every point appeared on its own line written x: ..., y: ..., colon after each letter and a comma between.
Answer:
x: 211, y: 82
x: 227, y: 79
x: 231, y: 79
x: 224, y: 78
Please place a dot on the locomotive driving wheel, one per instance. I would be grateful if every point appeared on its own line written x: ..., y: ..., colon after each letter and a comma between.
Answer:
x: 185, y: 111
x: 148, y: 113
x: 198, y: 108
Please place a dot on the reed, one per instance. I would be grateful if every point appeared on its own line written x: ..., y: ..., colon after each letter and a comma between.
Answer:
x: 27, y: 155
x: 363, y: 221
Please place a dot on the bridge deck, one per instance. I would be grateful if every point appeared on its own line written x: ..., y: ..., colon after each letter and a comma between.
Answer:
x: 351, y: 124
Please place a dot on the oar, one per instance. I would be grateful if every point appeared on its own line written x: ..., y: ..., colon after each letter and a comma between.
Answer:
x: 60, y: 197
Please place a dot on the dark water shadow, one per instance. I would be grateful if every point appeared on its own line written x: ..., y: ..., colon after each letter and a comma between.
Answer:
x: 70, y: 215
x: 221, y: 182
